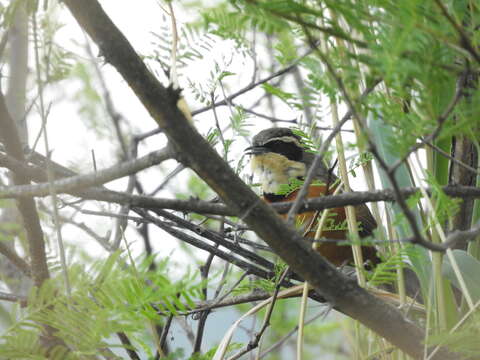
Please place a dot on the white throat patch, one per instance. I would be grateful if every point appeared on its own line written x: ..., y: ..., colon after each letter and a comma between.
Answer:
x: 274, y: 170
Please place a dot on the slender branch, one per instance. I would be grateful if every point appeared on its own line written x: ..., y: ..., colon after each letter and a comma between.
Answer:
x: 204, y: 270
x: 266, y: 322
x: 26, y: 206
x: 461, y: 236
x: 218, y: 299
x: 280, y: 342
x: 167, y: 179
x: 31, y: 221
x: 13, y: 298
x: 102, y: 240
x: 252, y: 85
x: 218, y: 239
x: 330, y: 31
x: 250, y: 268
x: 270, y: 118
x: 128, y: 153
x: 440, y: 122
x: 452, y: 158
x: 362, y: 197
x: 166, y: 329
x: 92, y: 179
x: 253, y: 296
x: 50, y: 177
x: 112, y: 112
x: 15, y: 259
x: 127, y: 344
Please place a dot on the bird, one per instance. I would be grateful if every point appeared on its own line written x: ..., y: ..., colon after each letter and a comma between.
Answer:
x: 280, y: 159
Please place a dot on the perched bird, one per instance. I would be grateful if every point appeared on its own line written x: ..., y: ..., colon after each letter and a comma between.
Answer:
x: 278, y: 159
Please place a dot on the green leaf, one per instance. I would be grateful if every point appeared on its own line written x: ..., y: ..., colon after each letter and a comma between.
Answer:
x: 469, y: 268
x: 225, y: 74
x: 275, y: 91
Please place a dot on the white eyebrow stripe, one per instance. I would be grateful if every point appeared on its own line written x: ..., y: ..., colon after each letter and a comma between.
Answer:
x: 285, y: 139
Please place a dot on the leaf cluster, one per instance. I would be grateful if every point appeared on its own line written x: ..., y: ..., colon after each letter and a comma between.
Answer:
x: 109, y: 298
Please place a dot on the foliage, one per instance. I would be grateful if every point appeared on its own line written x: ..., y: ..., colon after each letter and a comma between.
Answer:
x: 109, y: 298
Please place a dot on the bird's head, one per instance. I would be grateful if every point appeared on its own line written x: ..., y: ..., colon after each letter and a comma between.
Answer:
x: 277, y: 155
x: 281, y: 141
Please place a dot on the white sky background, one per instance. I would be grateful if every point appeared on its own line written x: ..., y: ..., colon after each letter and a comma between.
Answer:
x: 71, y: 139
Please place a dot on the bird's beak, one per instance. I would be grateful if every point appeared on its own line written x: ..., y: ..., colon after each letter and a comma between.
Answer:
x: 256, y: 150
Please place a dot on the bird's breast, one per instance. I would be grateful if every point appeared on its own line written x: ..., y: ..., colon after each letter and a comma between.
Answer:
x: 274, y: 170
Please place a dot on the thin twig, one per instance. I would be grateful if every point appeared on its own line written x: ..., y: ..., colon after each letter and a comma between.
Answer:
x: 173, y: 57
x: 296, y: 18
x: 270, y: 118
x: 206, y: 247
x: 205, y: 207
x: 90, y: 179
x: 287, y: 336
x: 204, y: 270
x: 452, y: 158
x: 168, y: 178
x: 217, y: 123
x: 15, y: 259
x: 217, y: 238
x: 147, y: 134
x: 127, y: 344
x: 266, y: 322
x: 102, y: 240
x: 128, y: 153
x: 440, y: 122
x: 166, y: 328
x: 26, y: 206
x: 253, y: 85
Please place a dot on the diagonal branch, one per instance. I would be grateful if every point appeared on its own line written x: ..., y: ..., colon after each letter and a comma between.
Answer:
x: 459, y: 92
x: 231, y: 258
x: 15, y: 259
x: 253, y: 85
